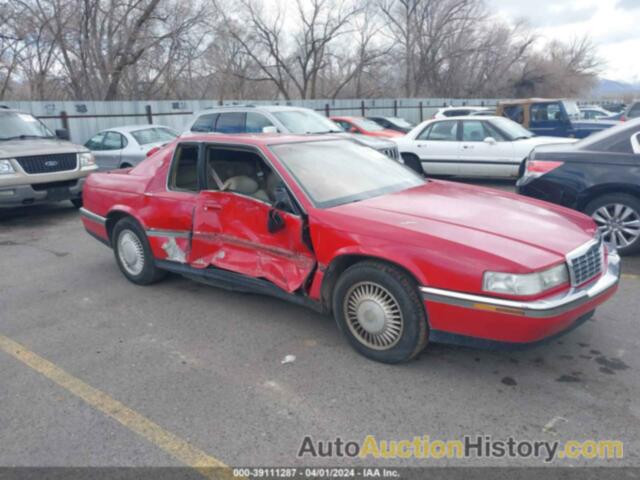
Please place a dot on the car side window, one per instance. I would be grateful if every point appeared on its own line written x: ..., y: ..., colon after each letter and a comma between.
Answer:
x: 546, y: 112
x: 255, y: 122
x: 473, y: 131
x: 493, y: 132
x: 515, y: 113
x: 443, y: 132
x: 622, y: 146
x: 243, y: 172
x: 184, y: 170
x: 113, y: 141
x: 232, y: 122
x: 634, y: 111
x: 95, y: 142
x: 205, y: 123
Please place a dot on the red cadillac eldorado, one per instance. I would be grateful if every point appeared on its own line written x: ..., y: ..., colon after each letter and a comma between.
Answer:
x: 398, y: 260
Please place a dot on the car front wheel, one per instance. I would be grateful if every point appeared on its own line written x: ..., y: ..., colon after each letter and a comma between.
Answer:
x: 378, y: 308
x: 618, y: 218
x: 133, y: 253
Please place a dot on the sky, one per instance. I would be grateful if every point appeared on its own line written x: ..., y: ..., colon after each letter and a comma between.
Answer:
x: 613, y: 26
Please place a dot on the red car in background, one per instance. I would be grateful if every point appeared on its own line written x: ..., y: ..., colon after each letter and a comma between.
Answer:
x: 321, y: 221
x: 364, y: 126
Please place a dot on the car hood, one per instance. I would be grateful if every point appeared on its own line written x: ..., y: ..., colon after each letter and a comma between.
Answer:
x: 32, y: 146
x: 526, y: 232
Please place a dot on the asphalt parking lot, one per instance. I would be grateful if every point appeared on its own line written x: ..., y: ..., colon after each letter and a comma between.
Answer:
x: 106, y: 373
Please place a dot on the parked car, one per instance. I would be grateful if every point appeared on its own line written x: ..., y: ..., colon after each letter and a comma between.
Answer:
x: 393, y: 123
x: 364, y: 126
x: 470, y: 146
x: 633, y: 111
x: 458, y: 111
x: 330, y: 224
x: 37, y: 165
x: 594, y: 112
x: 278, y: 119
x: 599, y: 176
x: 124, y: 147
x: 551, y: 117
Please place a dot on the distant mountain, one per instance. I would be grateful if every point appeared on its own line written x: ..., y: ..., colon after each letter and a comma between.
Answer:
x: 611, y: 87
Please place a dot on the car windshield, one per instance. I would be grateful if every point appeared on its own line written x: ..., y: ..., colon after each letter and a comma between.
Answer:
x: 513, y: 130
x: 336, y: 172
x: 16, y: 125
x: 401, y: 122
x: 153, y: 135
x: 572, y: 109
x: 303, y: 121
x: 368, y: 125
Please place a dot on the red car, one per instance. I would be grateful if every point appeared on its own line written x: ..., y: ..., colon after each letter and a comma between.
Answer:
x: 364, y: 126
x: 324, y: 222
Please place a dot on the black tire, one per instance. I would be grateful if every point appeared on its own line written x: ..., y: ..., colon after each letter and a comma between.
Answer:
x: 413, y: 162
x: 623, y: 199
x: 413, y: 336
x: 149, y: 273
x: 77, y: 202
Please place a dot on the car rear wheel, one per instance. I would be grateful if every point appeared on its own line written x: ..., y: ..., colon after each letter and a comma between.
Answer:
x: 618, y: 220
x: 378, y: 308
x: 133, y: 253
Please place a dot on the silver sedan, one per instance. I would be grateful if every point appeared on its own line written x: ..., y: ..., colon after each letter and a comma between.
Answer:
x: 124, y: 147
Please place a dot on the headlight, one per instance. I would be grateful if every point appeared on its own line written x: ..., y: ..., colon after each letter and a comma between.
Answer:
x: 528, y: 284
x: 86, y: 159
x: 6, y: 168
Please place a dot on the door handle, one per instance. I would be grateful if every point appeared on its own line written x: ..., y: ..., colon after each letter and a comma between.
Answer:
x: 467, y: 146
x: 212, y: 206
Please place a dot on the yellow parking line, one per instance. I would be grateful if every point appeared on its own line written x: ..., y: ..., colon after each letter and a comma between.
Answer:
x: 207, y: 465
x: 630, y: 276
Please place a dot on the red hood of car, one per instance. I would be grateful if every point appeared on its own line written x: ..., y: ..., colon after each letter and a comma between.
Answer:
x: 526, y: 232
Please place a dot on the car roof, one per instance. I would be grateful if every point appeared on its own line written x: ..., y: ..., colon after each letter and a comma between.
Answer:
x: 525, y: 101
x: 133, y: 128
x: 346, y: 117
x: 257, y: 139
x: 465, y: 107
x: 250, y: 108
x: 466, y: 117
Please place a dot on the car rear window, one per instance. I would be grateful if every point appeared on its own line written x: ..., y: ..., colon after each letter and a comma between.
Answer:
x: 153, y: 135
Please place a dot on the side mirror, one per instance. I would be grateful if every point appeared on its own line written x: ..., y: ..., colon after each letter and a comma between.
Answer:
x: 270, y: 129
x: 275, y: 222
x: 353, y: 130
x: 282, y: 200
x: 490, y: 140
x: 63, y: 134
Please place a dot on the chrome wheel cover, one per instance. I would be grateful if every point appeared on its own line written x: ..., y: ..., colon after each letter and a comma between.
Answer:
x: 618, y: 224
x: 373, y: 315
x: 130, y: 252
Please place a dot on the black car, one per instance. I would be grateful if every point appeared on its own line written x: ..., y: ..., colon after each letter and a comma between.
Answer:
x: 599, y: 175
x: 393, y: 123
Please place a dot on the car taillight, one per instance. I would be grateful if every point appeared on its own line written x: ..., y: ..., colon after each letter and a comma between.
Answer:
x: 152, y: 151
x: 623, y: 118
x: 537, y: 168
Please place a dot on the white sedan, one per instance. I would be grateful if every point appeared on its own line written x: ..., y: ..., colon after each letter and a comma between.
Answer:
x: 470, y: 146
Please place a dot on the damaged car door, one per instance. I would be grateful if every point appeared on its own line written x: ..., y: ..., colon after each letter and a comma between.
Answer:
x: 237, y: 226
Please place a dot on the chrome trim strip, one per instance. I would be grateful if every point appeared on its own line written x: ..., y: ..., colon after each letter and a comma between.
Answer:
x: 154, y: 232
x: 547, y: 307
x: 93, y: 216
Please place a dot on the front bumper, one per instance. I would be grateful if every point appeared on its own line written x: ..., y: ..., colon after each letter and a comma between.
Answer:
x: 20, y: 195
x: 512, y: 321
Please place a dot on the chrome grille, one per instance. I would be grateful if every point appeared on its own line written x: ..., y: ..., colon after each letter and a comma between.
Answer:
x: 48, y: 163
x: 586, y: 262
x: 391, y: 152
